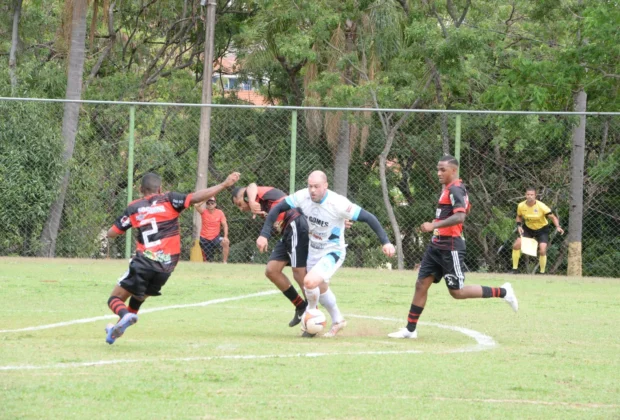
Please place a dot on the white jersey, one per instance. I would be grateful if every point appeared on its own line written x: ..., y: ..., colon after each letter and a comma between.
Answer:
x: 325, y: 219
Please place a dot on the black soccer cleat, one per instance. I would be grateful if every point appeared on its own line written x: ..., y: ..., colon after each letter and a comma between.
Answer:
x: 299, y: 312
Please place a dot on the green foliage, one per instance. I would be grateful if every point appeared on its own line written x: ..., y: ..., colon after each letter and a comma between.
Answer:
x: 30, y: 169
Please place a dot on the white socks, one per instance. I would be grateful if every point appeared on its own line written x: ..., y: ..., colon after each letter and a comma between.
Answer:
x: 328, y: 299
x: 312, y: 296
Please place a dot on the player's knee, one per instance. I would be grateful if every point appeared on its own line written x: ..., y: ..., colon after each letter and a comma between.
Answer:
x: 311, y: 282
x: 420, y: 286
x: 456, y: 293
x: 270, y: 272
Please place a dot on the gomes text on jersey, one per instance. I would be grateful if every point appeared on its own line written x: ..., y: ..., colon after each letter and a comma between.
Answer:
x: 325, y: 219
x: 453, y: 199
x: 156, y: 217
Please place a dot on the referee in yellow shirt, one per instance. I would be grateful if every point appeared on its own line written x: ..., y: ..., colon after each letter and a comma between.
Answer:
x: 532, y: 223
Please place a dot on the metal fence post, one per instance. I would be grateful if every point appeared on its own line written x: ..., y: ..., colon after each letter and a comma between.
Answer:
x: 293, y: 151
x: 132, y: 121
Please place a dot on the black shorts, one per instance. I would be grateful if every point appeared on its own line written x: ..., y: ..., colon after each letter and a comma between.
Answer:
x: 141, y: 280
x: 293, y: 246
x: 444, y: 263
x: 209, y: 246
x: 541, y: 235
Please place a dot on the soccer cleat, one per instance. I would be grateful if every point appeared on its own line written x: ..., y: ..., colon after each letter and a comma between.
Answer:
x: 514, y: 271
x: 404, y: 333
x: 510, y: 297
x: 297, y: 317
x: 335, y: 328
x: 115, y: 331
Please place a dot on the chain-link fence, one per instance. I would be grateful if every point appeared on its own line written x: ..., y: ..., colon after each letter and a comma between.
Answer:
x: 501, y: 155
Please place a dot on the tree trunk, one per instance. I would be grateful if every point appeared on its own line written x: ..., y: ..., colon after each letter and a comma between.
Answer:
x: 386, y: 197
x: 204, y: 142
x: 14, y: 44
x: 343, y: 148
x: 575, y: 215
x: 343, y: 158
x: 70, y: 121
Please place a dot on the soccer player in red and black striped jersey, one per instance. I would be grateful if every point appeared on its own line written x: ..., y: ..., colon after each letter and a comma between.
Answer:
x: 158, y: 247
x: 291, y: 249
x: 445, y: 255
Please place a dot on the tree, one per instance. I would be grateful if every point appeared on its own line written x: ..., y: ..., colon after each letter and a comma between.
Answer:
x: 69, y: 122
x: 14, y: 44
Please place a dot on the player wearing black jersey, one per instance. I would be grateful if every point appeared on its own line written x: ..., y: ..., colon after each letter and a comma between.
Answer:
x: 291, y: 249
x: 445, y: 255
x: 156, y: 217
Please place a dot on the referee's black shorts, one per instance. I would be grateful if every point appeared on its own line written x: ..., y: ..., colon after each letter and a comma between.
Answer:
x: 541, y: 235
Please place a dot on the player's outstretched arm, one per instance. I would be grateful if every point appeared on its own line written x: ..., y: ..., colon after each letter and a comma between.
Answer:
x: 252, y: 192
x: 261, y: 242
x: 372, y: 221
x: 202, y: 195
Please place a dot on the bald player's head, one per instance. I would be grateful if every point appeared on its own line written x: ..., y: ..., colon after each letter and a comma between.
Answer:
x: 317, y: 186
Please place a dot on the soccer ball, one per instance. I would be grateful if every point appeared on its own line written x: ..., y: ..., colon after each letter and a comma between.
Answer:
x: 313, y: 321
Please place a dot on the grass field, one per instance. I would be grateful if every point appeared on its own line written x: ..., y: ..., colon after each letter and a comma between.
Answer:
x: 217, y: 345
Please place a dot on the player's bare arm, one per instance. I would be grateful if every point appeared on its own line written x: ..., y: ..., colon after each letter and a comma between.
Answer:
x: 265, y: 234
x: 112, y: 233
x: 455, y: 219
x: 200, y: 207
x: 202, y: 195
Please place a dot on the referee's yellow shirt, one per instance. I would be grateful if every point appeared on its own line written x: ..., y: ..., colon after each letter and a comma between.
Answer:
x: 535, y: 217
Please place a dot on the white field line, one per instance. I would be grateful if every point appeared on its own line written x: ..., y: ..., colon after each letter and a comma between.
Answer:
x: 143, y: 311
x: 483, y: 342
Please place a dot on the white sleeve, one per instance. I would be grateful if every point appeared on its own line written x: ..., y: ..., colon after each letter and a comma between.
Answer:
x: 296, y: 199
x: 346, y: 209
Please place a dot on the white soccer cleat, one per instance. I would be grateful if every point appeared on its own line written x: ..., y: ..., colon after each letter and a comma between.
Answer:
x: 404, y: 333
x: 335, y: 328
x: 510, y: 297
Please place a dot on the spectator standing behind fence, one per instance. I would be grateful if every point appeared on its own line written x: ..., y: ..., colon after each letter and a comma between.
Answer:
x: 445, y: 255
x: 158, y: 246
x: 213, y: 221
x: 291, y: 249
x: 532, y: 223
x: 326, y: 212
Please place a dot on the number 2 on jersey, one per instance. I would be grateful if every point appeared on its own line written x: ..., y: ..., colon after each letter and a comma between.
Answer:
x: 145, y: 234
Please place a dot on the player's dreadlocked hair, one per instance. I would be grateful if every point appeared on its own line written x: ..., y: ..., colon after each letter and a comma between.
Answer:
x: 150, y: 183
x: 450, y: 159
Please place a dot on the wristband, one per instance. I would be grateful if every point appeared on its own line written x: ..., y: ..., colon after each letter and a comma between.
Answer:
x: 519, y: 224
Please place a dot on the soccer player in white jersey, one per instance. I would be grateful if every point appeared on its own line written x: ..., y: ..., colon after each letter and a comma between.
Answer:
x: 326, y: 212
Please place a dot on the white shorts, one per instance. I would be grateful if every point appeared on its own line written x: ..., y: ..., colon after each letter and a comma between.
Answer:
x: 325, y: 265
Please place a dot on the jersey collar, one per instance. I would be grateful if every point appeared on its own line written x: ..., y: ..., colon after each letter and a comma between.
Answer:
x: 324, y: 197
